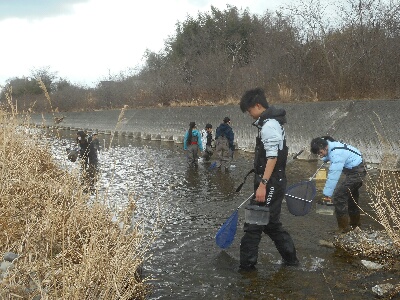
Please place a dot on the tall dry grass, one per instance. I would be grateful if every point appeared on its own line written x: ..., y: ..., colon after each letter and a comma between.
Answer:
x: 385, y: 188
x: 68, y: 248
x: 385, y: 191
x: 382, y: 246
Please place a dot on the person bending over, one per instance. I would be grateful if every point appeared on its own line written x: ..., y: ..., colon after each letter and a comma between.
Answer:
x: 348, y: 160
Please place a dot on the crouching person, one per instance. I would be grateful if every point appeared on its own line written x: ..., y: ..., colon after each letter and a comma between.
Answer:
x: 344, y: 196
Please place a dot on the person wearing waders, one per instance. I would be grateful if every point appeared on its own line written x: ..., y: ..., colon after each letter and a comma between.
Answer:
x: 89, y: 159
x: 224, y: 146
x: 191, y: 144
x: 269, y: 180
x: 95, y: 141
x: 348, y: 160
x: 206, y: 139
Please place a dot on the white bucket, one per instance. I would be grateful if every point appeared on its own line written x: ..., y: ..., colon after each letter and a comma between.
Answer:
x: 255, y: 214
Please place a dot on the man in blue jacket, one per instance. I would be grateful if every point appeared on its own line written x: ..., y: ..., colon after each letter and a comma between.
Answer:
x: 224, y: 146
x: 348, y: 160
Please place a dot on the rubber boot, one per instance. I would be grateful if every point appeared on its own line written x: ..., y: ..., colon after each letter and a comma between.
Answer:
x: 343, y: 223
x: 355, y: 220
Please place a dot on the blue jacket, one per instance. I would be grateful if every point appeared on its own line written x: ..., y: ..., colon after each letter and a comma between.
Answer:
x: 195, y: 136
x: 225, y: 130
x: 339, y: 158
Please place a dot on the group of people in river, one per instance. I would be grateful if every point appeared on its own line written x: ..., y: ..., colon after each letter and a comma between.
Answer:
x: 270, y: 181
x: 270, y: 159
x: 194, y: 140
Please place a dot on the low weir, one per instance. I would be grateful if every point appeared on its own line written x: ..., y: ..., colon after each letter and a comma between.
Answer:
x: 370, y: 125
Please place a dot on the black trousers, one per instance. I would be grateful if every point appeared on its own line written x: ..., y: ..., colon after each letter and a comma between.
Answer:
x: 89, y: 168
x: 346, y: 194
x: 252, y: 233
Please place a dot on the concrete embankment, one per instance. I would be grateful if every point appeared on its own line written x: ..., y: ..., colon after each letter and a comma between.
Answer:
x: 370, y: 125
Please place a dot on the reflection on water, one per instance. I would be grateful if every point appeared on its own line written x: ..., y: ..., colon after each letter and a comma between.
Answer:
x: 191, y: 205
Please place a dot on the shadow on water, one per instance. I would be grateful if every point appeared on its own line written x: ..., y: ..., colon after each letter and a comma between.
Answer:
x: 184, y: 261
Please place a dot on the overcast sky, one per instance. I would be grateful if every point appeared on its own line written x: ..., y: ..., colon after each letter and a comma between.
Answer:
x: 85, y: 41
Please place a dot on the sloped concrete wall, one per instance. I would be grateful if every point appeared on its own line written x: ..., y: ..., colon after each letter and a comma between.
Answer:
x: 370, y: 125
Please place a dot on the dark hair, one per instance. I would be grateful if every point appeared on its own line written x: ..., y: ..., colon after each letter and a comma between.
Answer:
x: 191, y: 126
x: 320, y: 143
x: 226, y: 119
x: 252, y: 97
x: 328, y: 138
x: 208, y: 125
x: 81, y: 133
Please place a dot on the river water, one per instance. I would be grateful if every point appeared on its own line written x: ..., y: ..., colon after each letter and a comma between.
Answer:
x: 181, y: 209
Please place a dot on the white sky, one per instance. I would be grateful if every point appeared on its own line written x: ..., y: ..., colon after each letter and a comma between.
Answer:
x: 84, y: 41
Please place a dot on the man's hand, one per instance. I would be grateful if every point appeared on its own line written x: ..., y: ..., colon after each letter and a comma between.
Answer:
x: 261, y: 193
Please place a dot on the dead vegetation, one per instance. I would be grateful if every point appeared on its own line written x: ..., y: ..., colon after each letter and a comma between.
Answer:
x: 200, y: 102
x: 383, y: 188
x: 67, y: 248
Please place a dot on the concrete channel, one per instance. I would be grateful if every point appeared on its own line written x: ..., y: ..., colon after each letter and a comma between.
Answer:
x: 370, y: 125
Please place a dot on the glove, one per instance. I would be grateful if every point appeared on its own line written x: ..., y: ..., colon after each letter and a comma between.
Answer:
x: 327, y: 200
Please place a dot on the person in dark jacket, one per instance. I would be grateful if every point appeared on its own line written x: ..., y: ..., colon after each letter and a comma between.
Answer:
x: 191, y: 144
x: 269, y: 180
x: 95, y: 141
x: 89, y: 158
x: 348, y: 160
x: 207, y: 138
x: 224, y: 147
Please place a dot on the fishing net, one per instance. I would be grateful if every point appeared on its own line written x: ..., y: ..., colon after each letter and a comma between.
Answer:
x: 213, y: 166
x: 299, y: 197
x: 226, y: 234
x: 72, y: 155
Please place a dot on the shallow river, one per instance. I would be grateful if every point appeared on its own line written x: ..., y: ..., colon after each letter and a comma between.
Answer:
x: 184, y: 208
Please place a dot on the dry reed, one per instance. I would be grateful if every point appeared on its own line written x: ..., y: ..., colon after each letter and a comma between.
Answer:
x: 68, y: 249
x: 385, y: 188
x: 384, y: 193
x: 285, y: 93
x: 119, y: 121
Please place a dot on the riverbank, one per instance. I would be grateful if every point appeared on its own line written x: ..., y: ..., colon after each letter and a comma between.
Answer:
x: 184, y: 261
x: 62, y: 245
